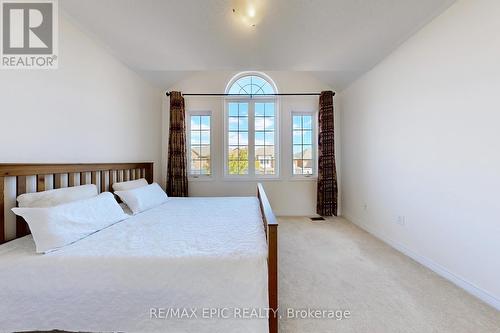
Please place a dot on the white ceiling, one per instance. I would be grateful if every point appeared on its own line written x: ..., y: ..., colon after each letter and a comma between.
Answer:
x: 337, y: 40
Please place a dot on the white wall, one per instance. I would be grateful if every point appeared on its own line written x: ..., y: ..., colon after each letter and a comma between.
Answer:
x: 91, y: 109
x: 287, y: 196
x: 421, y: 139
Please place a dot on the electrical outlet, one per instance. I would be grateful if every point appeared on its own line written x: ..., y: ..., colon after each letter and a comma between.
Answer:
x: 401, y: 220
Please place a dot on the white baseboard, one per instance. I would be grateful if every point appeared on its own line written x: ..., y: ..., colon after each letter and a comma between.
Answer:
x: 279, y: 213
x: 432, y: 265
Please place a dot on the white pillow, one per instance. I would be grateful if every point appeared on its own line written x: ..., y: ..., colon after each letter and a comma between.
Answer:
x: 55, y: 227
x: 130, y: 185
x: 58, y: 196
x: 143, y: 198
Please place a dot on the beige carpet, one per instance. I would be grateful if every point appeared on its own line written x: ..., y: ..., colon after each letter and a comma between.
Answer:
x: 335, y: 265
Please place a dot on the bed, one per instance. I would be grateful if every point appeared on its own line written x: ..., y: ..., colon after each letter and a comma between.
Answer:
x: 189, y: 265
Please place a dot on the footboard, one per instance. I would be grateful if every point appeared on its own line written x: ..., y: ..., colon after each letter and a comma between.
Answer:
x: 271, y: 228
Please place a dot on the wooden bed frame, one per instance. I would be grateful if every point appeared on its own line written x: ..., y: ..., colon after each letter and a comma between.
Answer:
x: 104, y: 175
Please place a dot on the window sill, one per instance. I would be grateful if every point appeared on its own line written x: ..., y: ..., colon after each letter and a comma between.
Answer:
x: 250, y: 179
x: 303, y: 178
x: 200, y: 179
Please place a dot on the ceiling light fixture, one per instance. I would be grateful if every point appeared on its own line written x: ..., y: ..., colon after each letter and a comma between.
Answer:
x: 248, y: 11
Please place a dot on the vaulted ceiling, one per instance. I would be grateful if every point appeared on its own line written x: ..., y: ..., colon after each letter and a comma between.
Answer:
x: 336, y: 40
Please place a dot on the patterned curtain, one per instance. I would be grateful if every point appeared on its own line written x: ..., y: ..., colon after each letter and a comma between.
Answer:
x: 327, y: 175
x: 177, y: 183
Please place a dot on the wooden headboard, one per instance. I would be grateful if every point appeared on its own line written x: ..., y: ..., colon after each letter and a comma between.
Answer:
x: 101, y: 174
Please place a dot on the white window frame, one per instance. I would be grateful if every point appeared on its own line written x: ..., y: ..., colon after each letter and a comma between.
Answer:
x: 198, y: 177
x: 315, y: 132
x: 251, y: 135
x: 251, y: 128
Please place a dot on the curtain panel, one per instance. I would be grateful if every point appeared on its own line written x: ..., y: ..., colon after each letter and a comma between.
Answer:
x: 177, y: 180
x: 327, y: 174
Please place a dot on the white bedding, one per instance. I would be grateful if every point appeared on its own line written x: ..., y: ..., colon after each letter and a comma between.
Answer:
x: 187, y: 253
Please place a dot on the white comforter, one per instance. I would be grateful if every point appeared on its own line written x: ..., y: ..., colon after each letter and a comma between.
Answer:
x: 195, y: 253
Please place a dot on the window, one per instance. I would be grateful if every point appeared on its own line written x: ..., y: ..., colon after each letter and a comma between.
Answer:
x: 200, y: 144
x: 251, y: 127
x: 304, y: 147
x: 251, y: 85
x: 238, y: 139
x: 265, y: 129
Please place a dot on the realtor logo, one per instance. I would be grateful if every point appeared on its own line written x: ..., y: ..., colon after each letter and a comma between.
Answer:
x: 29, y: 34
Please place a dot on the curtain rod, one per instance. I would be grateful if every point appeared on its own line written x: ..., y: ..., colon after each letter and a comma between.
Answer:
x: 290, y: 94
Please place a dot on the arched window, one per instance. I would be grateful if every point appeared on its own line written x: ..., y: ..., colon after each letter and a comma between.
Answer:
x: 251, y: 85
x: 251, y: 127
